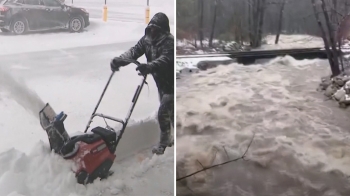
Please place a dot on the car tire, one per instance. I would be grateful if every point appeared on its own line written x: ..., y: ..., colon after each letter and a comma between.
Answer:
x: 4, y: 30
x: 76, y: 24
x: 19, y: 26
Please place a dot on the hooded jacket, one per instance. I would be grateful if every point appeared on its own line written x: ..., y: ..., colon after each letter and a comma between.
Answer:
x: 159, y: 52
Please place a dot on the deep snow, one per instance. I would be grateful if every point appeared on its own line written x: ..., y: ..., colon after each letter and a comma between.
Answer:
x: 301, y: 144
x: 70, y: 71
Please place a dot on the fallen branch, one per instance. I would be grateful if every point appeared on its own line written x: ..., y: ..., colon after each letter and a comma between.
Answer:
x: 220, y: 164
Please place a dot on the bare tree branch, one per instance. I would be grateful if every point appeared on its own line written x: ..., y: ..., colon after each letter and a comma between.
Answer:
x: 220, y: 164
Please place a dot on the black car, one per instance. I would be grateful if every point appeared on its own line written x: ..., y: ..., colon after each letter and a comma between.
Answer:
x: 21, y: 16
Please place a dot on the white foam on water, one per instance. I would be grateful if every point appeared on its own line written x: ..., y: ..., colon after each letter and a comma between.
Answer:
x: 301, y: 144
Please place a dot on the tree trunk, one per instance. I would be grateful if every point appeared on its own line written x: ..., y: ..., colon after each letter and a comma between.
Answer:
x: 213, y: 25
x: 261, y: 22
x: 335, y: 70
x: 280, y: 22
x: 338, y: 41
x: 200, y: 30
x: 250, y: 23
x: 256, y: 22
x: 331, y: 33
x: 257, y: 19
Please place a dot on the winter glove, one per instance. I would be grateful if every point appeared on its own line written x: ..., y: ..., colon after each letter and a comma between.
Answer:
x: 144, y: 69
x: 116, y: 63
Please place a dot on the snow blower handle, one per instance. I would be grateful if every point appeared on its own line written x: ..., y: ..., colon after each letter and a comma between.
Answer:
x: 137, y: 93
x: 125, y: 62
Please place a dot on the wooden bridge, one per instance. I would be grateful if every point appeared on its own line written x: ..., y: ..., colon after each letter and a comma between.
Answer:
x: 249, y: 57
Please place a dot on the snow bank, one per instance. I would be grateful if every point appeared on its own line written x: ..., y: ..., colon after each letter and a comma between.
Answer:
x: 300, y: 140
x: 23, y: 174
x: 42, y: 173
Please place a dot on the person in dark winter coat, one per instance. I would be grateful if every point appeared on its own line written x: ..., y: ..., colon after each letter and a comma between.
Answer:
x: 158, y: 46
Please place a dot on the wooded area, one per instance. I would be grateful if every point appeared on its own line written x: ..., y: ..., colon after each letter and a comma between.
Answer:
x: 248, y: 21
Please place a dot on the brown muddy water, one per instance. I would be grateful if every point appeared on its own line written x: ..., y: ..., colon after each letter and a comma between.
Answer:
x: 301, y: 145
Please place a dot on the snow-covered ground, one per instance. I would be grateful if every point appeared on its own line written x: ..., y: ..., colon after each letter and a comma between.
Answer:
x: 301, y: 145
x: 285, y: 42
x: 186, y: 47
x: 70, y: 71
x: 292, y: 41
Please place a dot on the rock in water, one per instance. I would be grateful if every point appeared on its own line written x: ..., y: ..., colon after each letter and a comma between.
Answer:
x: 339, y: 94
x: 331, y: 89
x: 347, y: 87
x: 344, y: 101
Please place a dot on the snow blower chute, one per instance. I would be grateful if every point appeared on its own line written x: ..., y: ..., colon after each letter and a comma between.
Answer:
x: 93, y: 153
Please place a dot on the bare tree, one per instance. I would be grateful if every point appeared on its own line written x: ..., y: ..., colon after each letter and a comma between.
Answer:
x: 257, y: 21
x: 213, y: 24
x: 328, y: 37
x: 200, y: 29
x: 280, y: 21
x: 248, y: 21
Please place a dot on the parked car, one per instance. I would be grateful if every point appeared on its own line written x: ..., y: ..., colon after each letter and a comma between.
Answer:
x: 21, y: 16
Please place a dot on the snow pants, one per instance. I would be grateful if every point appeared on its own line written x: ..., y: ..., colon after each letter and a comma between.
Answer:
x: 165, y: 118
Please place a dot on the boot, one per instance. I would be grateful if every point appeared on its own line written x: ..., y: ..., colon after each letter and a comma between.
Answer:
x: 160, y: 148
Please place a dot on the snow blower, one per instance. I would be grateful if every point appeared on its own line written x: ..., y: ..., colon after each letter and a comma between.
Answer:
x: 93, y: 153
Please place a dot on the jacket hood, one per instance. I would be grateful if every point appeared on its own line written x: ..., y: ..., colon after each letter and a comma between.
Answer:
x: 161, y: 22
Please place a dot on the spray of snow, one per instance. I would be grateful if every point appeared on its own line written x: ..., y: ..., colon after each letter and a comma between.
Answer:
x: 301, y: 142
x: 20, y: 92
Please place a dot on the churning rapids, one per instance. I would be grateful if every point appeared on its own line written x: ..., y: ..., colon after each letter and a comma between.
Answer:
x: 301, y: 145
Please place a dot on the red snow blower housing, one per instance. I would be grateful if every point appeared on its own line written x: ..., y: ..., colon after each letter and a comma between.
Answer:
x: 92, y: 153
